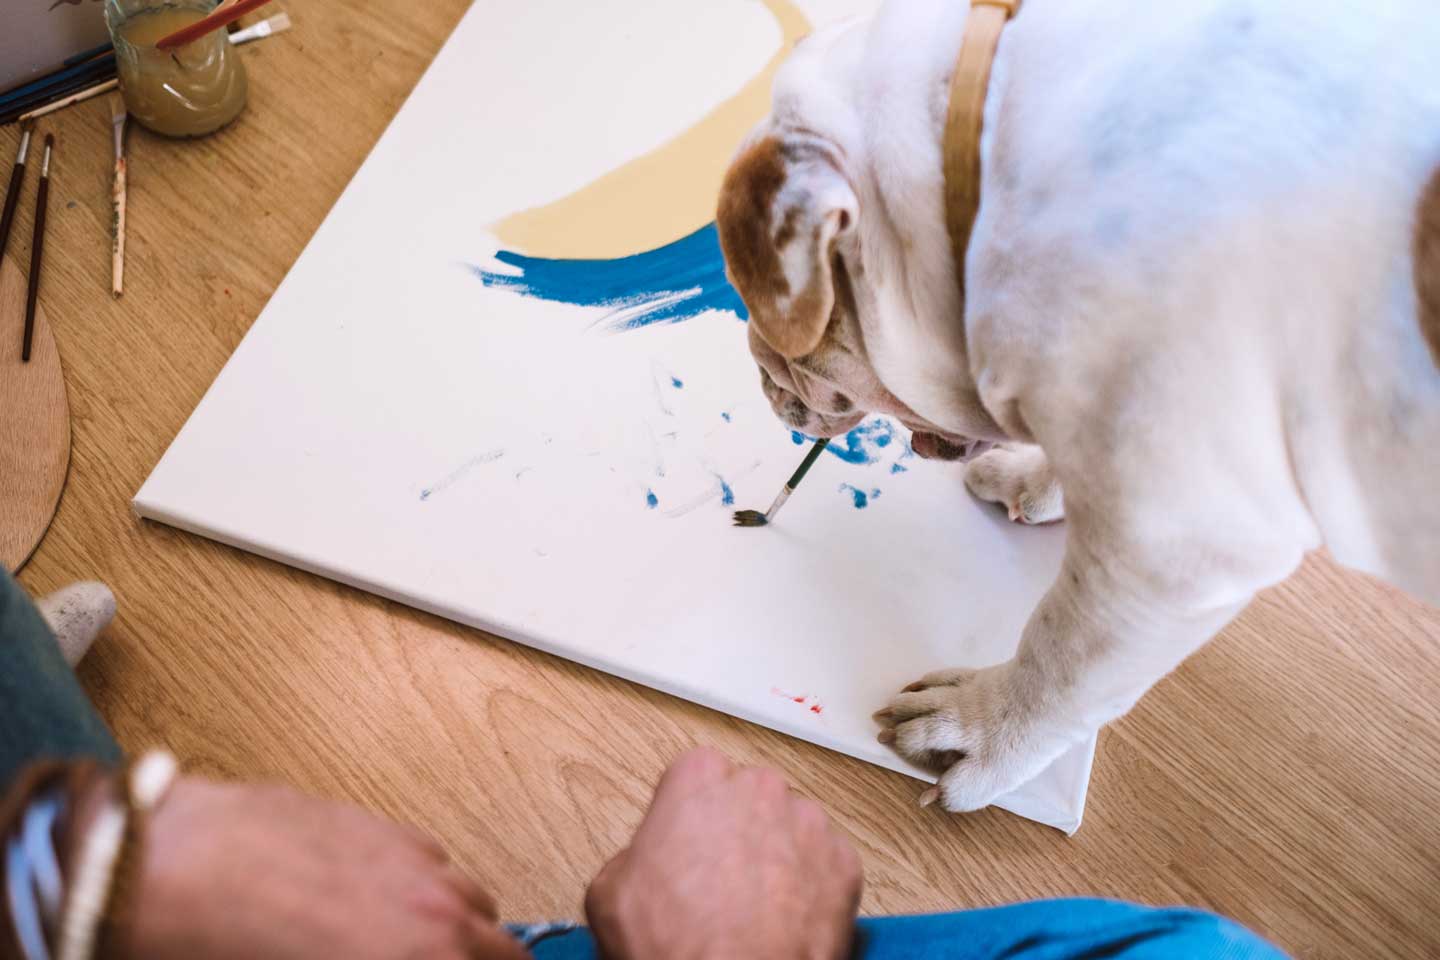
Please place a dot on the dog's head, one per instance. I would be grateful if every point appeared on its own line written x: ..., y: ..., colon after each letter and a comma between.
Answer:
x: 833, y: 339
x: 788, y: 219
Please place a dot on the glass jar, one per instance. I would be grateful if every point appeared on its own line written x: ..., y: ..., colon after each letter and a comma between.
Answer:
x: 186, y: 92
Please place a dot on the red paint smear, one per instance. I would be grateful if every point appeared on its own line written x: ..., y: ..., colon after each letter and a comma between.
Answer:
x: 814, y: 707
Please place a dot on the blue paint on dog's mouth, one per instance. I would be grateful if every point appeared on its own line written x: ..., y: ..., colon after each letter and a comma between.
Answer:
x: 670, y: 284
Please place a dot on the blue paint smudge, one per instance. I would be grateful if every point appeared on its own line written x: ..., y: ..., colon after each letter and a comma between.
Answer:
x: 677, y: 383
x: 459, y: 472
x: 727, y: 496
x: 860, y: 446
x: 859, y: 497
x: 726, y: 417
x: 898, y: 468
x: 670, y: 284
x: 651, y: 500
x: 861, y: 443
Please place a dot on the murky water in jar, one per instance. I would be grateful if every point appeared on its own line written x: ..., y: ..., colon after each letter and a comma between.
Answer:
x: 187, y: 92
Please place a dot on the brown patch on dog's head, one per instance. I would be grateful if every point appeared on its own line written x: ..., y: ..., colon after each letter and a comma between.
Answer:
x: 783, y: 206
x: 747, y: 236
x: 1427, y: 265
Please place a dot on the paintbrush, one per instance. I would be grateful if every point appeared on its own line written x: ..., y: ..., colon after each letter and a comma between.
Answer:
x: 223, y: 15
x: 79, y: 96
x: 12, y: 195
x: 37, y: 249
x: 118, y: 116
x: 754, y: 518
x: 24, y: 98
x: 265, y: 28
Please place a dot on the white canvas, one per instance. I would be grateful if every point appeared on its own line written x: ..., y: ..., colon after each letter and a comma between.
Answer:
x: 535, y: 469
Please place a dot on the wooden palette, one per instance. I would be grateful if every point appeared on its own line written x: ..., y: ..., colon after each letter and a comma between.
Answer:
x: 34, y: 426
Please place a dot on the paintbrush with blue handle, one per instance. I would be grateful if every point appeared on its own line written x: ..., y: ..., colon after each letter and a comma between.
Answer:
x: 754, y: 518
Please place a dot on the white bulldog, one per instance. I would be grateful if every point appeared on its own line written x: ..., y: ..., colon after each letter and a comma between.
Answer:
x: 1204, y: 281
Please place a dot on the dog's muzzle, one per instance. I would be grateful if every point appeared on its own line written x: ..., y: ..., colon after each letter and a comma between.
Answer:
x: 934, y: 446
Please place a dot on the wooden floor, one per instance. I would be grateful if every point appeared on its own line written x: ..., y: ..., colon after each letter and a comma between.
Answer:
x: 1289, y: 775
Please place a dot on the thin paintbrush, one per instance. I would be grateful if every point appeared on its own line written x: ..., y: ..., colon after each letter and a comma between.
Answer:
x: 37, y: 250
x: 79, y: 96
x: 12, y: 195
x: 754, y: 518
x: 118, y: 115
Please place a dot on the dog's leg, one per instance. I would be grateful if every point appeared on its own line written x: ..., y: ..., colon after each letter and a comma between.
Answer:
x: 1018, y: 476
x: 1099, y: 639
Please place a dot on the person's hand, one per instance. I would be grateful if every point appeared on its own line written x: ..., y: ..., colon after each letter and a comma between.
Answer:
x: 727, y: 863
x: 242, y: 871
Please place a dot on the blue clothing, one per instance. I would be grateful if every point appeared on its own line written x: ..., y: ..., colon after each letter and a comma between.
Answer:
x: 1041, y: 930
x: 43, y: 712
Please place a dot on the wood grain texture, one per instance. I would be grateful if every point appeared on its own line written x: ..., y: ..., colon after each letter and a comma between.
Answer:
x: 1288, y: 775
x: 34, y: 424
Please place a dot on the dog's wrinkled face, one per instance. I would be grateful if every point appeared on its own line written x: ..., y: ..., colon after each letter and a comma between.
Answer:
x: 787, y: 222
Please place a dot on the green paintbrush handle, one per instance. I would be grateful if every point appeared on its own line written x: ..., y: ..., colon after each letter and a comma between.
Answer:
x: 806, y: 464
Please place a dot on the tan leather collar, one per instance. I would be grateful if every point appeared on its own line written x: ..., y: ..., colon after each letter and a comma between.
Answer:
x: 961, y: 148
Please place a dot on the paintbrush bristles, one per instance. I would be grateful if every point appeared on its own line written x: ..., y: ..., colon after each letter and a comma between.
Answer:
x: 265, y: 28
x: 754, y: 518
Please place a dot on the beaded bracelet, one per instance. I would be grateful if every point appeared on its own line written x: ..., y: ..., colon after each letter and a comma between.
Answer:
x: 103, y: 848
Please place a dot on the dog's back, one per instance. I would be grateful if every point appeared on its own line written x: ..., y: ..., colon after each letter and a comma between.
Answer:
x: 1253, y: 175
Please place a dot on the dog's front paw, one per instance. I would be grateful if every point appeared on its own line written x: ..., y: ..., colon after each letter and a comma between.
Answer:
x: 966, y: 726
x: 1018, y: 476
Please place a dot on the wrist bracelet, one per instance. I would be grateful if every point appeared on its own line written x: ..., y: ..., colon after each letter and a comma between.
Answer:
x: 31, y: 870
x: 102, y: 850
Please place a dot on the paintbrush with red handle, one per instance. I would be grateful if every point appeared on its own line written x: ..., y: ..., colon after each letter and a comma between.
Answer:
x: 224, y: 14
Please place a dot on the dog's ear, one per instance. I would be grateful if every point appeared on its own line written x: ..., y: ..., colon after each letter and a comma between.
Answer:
x: 783, y: 207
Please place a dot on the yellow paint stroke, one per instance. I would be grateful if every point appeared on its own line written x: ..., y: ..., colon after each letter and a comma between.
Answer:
x: 660, y: 196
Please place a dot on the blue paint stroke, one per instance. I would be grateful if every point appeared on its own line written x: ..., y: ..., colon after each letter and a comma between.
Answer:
x: 725, y: 415
x: 670, y: 284
x: 677, y: 383
x: 651, y: 500
x: 459, y: 472
x: 860, y: 446
x: 898, y: 468
x: 727, y: 496
x: 859, y: 497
